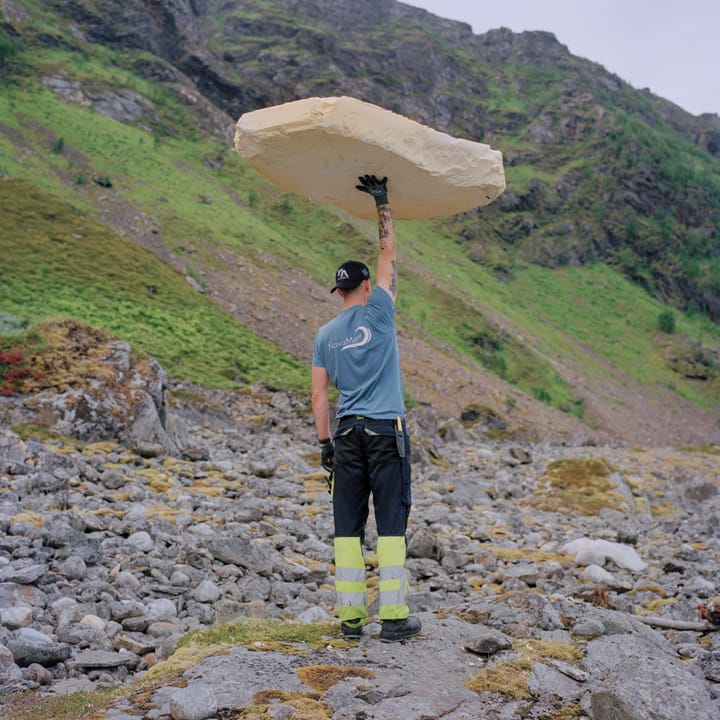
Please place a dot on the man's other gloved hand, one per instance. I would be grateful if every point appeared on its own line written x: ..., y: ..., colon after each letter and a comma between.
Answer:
x: 377, y: 188
x: 327, y: 451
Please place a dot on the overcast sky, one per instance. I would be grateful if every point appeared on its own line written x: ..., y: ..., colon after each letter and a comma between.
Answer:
x: 669, y: 46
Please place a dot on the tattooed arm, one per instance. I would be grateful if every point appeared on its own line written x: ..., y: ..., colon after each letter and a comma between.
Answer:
x: 387, y: 260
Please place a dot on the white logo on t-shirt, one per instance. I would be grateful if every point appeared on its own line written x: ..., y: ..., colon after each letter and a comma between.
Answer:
x: 364, y: 339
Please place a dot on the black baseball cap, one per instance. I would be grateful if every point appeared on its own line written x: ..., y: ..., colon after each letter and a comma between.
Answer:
x: 350, y: 274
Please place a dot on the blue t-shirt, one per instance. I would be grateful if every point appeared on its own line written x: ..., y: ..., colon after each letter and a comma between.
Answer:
x: 359, y: 350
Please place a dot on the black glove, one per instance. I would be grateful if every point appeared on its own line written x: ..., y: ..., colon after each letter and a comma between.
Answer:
x: 327, y: 451
x: 377, y: 188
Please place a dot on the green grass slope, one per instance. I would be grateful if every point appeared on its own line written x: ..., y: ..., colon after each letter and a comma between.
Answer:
x: 193, y: 193
x: 58, y: 261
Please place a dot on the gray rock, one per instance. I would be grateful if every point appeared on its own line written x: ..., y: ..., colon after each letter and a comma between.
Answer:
x: 76, y: 634
x: 654, y: 688
x: 141, y: 541
x: 36, y: 673
x: 128, y: 581
x: 710, y: 665
x: 112, y: 479
x: 73, y: 685
x: 29, y: 646
x: 15, y: 618
x: 74, y: 568
x: 94, y: 659
x: 25, y: 574
x: 136, y: 513
x: 424, y: 543
x: 137, y: 643
x: 241, y: 552
x: 9, y: 671
x: 206, y: 592
x: 160, y: 609
x: 179, y: 579
x: 489, y: 642
x: 549, y: 681
x: 197, y: 701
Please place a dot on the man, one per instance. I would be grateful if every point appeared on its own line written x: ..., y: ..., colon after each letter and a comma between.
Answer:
x: 370, y: 453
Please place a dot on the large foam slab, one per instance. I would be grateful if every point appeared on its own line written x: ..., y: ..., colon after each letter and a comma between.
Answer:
x: 317, y: 147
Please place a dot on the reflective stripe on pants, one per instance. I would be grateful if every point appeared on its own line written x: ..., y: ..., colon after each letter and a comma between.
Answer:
x: 350, y: 579
x: 393, y: 584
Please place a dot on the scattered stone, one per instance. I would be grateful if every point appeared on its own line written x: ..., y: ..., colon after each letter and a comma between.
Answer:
x: 489, y: 642
x: 141, y: 541
x: 29, y: 646
x: 195, y: 702
x: 156, y: 546
x: 206, y: 592
x: 94, y: 659
x: 15, y: 618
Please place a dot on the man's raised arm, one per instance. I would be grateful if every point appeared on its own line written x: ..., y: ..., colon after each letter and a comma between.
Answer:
x: 386, y: 276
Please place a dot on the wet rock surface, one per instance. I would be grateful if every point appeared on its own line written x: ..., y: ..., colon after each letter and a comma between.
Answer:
x: 548, y: 576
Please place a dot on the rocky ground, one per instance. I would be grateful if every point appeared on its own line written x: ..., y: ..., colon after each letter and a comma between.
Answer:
x: 108, y: 557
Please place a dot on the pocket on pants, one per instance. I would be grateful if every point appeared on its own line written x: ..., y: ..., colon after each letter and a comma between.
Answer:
x: 406, y: 481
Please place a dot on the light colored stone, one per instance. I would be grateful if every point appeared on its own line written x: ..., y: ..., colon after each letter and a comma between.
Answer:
x: 16, y: 617
x: 318, y: 147
x: 141, y: 541
x: 195, y: 702
x: 206, y: 592
x: 93, y: 621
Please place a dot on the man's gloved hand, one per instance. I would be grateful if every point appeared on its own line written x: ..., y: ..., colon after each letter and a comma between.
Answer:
x: 327, y: 451
x: 377, y: 188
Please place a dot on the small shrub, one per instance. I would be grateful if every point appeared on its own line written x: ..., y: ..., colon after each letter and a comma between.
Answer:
x: 8, y: 47
x: 13, y: 371
x: 58, y: 146
x: 666, y: 322
x: 285, y: 205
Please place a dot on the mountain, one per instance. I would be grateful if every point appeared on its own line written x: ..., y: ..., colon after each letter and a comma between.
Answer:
x: 585, y: 300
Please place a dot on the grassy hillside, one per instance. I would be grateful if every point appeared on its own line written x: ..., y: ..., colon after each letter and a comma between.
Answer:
x: 70, y: 174
x: 59, y: 262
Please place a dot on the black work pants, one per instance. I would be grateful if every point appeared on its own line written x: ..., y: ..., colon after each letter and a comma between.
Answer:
x: 370, y: 458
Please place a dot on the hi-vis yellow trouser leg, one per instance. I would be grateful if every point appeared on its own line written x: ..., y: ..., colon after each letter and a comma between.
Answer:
x: 393, y: 585
x: 350, y: 580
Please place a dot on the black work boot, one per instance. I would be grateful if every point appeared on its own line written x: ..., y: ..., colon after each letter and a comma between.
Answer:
x: 353, y: 629
x: 397, y: 630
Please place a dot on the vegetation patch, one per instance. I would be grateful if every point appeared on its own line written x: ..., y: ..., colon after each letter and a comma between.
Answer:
x: 541, y: 650
x: 29, y: 517
x: 323, y: 677
x: 507, y: 678
x: 651, y: 607
x: 84, y: 704
x: 28, y: 431
x: 307, y: 706
x: 578, y: 485
x: 254, y: 634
